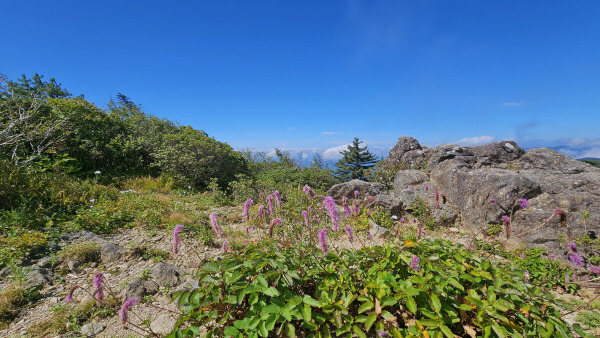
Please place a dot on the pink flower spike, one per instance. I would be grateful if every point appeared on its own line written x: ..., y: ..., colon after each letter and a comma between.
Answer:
x: 329, y: 203
x: 414, y: 263
x: 350, y: 235
x: 247, y: 206
x: 323, y: 240
x: 215, y: 224
x: 123, y: 312
x: 308, y: 192
x: 177, y: 238
x: 69, y: 297
x: 305, y: 214
x: 356, y: 193
x: 270, y: 203
x: 98, y: 290
x: 277, y: 199
x: 224, y: 247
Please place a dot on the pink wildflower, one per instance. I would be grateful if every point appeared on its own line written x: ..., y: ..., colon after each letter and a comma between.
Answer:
x: 308, y: 192
x: 123, y: 312
x: 177, y: 238
x: 524, y: 203
x: 414, y: 263
x: 98, y: 289
x: 350, y: 235
x: 595, y: 269
x: 247, y: 206
x: 270, y: 203
x: 224, y: 247
x: 69, y: 297
x: 347, y: 210
x: 505, y: 219
x: 356, y: 193
x: 332, y: 212
x: 573, y: 246
x: 277, y: 199
x: 566, y: 278
x: 492, y: 201
x: 576, y: 259
x: 323, y: 240
x: 215, y: 224
x: 305, y: 214
x: 261, y: 211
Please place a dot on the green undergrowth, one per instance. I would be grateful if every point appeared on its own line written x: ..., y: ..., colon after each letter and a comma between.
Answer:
x: 269, y: 290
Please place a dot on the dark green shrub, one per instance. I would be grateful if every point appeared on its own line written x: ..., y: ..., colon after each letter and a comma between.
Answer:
x: 266, y: 290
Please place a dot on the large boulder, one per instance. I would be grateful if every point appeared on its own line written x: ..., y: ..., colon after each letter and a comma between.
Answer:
x: 481, y: 184
x: 365, y: 190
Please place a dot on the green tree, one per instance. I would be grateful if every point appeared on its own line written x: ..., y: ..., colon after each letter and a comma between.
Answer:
x: 355, y: 163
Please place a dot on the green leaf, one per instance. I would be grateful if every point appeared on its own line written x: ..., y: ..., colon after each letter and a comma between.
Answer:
x: 388, y: 301
x: 230, y: 331
x: 306, y: 313
x: 499, y: 330
x: 310, y: 301
x: 290, y: 330
x: 446, y: 331
x: 370, y: 320
x: 358, y: 331
x: 435, y: 302
x: 365, y: 307
x: 271, y: 292
x: 411, y: 305
x: 211, y: 267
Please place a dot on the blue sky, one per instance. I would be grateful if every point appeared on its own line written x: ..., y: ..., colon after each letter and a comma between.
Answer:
x: 312, y: 75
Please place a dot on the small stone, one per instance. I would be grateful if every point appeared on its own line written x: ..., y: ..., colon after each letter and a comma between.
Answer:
x: 44, y: 262
x: 111, y: 252
x: 378, y: 231
x: 166, y: 274
x: 163, y: 325
x: 140, y: 288
x: 73, y: 265
x: 454, y: 230
x: 37, y: 278
x: 92, y: 329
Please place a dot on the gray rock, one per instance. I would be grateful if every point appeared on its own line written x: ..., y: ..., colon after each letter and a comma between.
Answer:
x: 92, y: 329
x: 365, y: 189
x: 470, y: 177
x: 37, y: 278
x: 73, y: 265
x: 378, y: 231
x: 110, y: 253
x: 189, y: 285
x: 82, y: 235
x: 166, y: 274
x: 140, y: 288
x: 163, y: 324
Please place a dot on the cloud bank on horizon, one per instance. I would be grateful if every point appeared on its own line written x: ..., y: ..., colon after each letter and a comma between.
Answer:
x: 577, y: 148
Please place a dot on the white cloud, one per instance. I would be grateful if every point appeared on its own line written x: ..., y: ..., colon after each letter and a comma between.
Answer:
x: 512, y: 104
x: 476, y: 140
x: 333, y: 153
x: 331, y: 133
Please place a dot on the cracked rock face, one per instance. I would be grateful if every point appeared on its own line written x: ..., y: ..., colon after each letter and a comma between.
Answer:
x: 470, y: 177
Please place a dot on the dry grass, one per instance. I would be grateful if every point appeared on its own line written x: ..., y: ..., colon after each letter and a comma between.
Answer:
x: 12, y: 299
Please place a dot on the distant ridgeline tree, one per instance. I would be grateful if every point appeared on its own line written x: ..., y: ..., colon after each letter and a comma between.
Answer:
x: 355, y: 163
x: 43, y: 127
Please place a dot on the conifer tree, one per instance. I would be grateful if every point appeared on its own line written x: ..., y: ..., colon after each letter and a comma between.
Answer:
x: 355, y: 163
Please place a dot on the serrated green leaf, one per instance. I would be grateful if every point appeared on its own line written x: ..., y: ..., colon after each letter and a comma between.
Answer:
x: 358, y: 332
x: 230, y: 331
x: 310, y: 301
x: 370, y: 320
x: 435, y: 302
x: 411, y: 304
x: 365, y: 307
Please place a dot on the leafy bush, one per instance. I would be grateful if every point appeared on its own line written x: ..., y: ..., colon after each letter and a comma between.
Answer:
x: 544, y: 271
x: 266, y: 290
x: 20, y: 246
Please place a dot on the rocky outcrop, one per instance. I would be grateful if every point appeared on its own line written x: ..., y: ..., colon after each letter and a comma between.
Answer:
x: 481, y: 184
